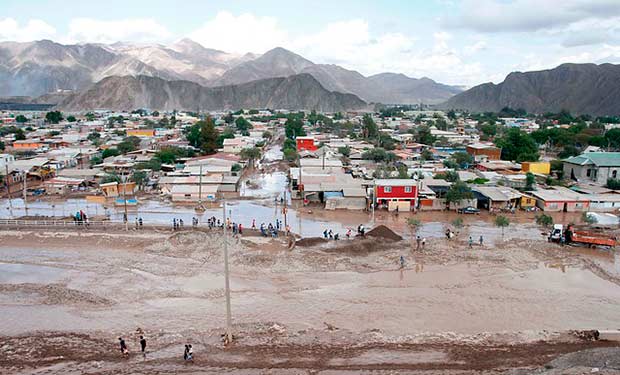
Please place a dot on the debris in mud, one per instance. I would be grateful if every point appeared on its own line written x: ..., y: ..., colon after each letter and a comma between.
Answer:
x: 589, y: 335
x: 310, y: 241
x: 56, y: 294
x: 384, y: 232
x: 330, y: 327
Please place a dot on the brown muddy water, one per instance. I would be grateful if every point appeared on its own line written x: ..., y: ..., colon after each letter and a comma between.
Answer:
x: 177, y: 286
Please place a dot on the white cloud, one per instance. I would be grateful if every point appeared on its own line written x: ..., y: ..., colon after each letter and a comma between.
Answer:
x: 141, y: 30
x: 528, y: 15
x: 34, y: 29
x: 243, y: 33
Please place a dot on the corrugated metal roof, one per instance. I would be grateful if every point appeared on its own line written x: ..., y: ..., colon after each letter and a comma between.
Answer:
x: 600, y: 159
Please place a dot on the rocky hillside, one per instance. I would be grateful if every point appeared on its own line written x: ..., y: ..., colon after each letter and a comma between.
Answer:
x: 43, y: 67
x: 579, y: 88
x: 300, y: 91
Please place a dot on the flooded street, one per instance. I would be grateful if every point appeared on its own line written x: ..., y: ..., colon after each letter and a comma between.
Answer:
x: 172, y: 284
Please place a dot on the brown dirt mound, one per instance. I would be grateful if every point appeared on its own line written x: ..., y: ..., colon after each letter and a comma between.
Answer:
x: 384, y: 232
x: 310, y: 241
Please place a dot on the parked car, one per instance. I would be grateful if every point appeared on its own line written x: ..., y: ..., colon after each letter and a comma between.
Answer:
x: 468, y: 210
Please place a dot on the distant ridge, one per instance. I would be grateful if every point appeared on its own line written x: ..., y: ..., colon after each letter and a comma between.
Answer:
x: 579, y: 88
x: 300, y: 91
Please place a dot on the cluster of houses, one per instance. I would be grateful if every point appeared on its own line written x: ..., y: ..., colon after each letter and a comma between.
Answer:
x: 62, y: 159
x: 496, y: 185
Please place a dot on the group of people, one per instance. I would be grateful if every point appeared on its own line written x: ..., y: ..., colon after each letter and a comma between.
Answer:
x: 138, y: 223
x: 80, y: 218
x: 330, y: 234
x: 125, y: 350
x: 471, y: 241
x: 188, y: 353
x: 177, y: 223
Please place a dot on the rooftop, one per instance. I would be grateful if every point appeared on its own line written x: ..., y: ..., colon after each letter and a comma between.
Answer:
x: 600, y: 159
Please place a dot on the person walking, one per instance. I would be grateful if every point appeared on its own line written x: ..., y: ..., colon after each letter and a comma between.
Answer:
x: 140, y: 222
x: 124, y: 350
x: 254, y: 224
x: 402, y: 262
x: 185, y: 352
x: 418, y: 242
x: 481, y: 240
x: 423, y: 242
x: 190, y: 352
x: 240, y: 229
x: 471, y: 242
x: 143, y: 345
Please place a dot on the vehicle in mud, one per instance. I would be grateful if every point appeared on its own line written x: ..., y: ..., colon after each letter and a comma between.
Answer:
x: 469, y: 210
x: 589, y: 238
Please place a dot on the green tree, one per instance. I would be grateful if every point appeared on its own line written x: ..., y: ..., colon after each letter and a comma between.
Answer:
x: 424, y: 136
x: 544, y: 220
x: 379, y: 155
x: 2, y: 146
x: 463, y: 159
x: 290, y: 154
x: 250, y: 154
x: 369, y: 127
x: 612, y: 136
x: 450, y: 176
x: 203, y: 136
x: 242, y: 124
x: 294, y: 127
x: 109, y: 152
x: 90, y: 116
x: 518, y: 145
x: 71, y: 118
x: 345, y: 151
x: 21, y: 119
x: 267, y: 134
x: 53, y: 117
x: 458, y: 222
x: 94, y: 137
x: 140, y: 178
x: 613, y: 184
x: 502, y: 222
x: 426, y: 154
x: 19, y: 135
x: 530, y: 180
x: 457, y: 192
x: 128, y: 144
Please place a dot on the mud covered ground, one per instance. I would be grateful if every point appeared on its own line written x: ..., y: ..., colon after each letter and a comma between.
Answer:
x: 325, y: 307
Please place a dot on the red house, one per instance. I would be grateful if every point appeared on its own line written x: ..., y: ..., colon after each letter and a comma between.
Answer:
x: 396, y: 194
x: 306, y: 143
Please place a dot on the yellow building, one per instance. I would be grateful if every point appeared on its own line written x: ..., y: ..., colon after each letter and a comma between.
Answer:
x: 539, y: 167
x: 141, y: 132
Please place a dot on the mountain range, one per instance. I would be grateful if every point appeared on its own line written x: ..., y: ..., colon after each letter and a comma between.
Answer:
x: 579, y: 88
x: 41, y: 67
x: 300, y: 91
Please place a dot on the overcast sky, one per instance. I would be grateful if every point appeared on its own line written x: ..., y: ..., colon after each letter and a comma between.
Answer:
x: 456, y: 42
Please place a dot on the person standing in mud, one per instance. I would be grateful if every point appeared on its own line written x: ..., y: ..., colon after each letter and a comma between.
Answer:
x: 402, y: 262
x: 471, y: 242
x: 143, y: 345
x: 124, y: 350
x: 481, y: 240
x: 418, y: 242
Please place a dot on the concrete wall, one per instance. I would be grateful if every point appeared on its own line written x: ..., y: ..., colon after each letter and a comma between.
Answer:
x: 345, y: 204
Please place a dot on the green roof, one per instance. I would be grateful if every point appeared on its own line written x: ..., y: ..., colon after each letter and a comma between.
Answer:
x: 600, y: 159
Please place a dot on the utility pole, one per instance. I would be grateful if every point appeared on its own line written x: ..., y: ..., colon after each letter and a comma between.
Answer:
x: 200, y: 187
x: 418, y: 185
x: 8, y: 185
x: 229, y: 335
x: 25, y: 188
x: 126, y: 217
x: 285, y: 209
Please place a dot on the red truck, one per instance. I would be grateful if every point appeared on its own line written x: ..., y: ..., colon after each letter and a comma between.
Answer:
x: 584, y: 237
